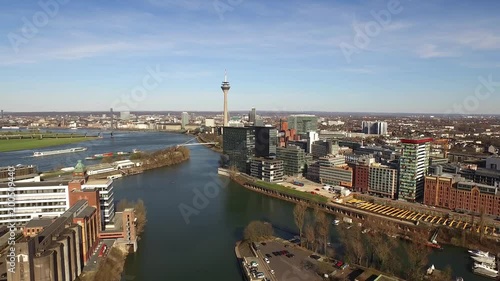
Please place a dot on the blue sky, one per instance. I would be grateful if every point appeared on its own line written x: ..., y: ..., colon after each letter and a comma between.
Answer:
x: 280, y: 55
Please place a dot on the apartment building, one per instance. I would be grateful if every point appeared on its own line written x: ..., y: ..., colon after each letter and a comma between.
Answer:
x: 382, y: 181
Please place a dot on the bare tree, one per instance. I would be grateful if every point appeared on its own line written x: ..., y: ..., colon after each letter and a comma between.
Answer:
x: 323, y: 229
x: 417, y: 255
x: 310, y: 236
x: 481, y: 223
x: 299, y: 214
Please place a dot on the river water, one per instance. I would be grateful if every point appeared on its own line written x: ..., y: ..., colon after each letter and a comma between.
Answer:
x: 197, y: 244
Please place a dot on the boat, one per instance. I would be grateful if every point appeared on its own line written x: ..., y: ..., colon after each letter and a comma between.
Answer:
x: 61, y: 151
x: 459, y: 279
x: 107, y: 154
x: 486, y: 268
x: 479, y: 253
x: 486, y: 260
x: 430, y: 270
x: 336, y: 222
x: 10, y: 128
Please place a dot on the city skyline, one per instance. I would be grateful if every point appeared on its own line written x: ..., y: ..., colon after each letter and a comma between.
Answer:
x: 280, y: 57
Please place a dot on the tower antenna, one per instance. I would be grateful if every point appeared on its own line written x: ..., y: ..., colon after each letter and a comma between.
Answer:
x: 225, y: 75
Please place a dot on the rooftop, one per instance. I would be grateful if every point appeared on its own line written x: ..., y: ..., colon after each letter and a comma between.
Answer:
x: 41, y: 222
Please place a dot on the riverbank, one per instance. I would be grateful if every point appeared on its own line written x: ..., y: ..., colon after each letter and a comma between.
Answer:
x: 16, y: 144
x: 389, y: 225
x: 217, y: 147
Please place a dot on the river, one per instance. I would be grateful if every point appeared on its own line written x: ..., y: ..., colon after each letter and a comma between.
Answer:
x: 198, y: 246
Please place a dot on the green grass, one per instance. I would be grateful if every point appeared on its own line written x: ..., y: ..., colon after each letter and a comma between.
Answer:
x: 283, y: 189
x: 22, y: 144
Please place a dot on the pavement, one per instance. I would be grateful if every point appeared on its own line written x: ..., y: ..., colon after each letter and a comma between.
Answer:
x: 94, y: 260
x: 286, y: 268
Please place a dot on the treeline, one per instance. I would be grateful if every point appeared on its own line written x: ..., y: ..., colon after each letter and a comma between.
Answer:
x: 162, y: 158
x: 369, y: 245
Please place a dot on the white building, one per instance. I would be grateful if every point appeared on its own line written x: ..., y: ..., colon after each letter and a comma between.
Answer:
x: 106, y: 194
x: 27, y: 201
x: 210, y: 122
x: 184, y: 119
x: 374, y: 128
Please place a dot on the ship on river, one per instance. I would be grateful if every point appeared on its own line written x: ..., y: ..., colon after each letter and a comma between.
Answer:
x: 110, y: 154
x: 61, y: 151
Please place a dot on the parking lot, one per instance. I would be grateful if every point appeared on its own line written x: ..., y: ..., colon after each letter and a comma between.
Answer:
x: 288, y: 267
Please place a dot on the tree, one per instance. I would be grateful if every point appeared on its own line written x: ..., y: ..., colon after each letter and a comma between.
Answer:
x: 322, y: 228
x: 310, y: 236
x: 417, y: 255
x: 299, y: 214
x: 257, y: 231
x: 140, y: 214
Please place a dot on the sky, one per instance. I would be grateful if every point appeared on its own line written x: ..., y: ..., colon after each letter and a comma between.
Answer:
x: 318, y: 55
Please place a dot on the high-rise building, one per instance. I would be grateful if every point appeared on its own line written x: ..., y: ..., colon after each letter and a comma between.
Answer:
x: 382, y: 181
x: 184, y: 119
x: 239, y: 146
x: 374, y: 128
x: 267, y: 169
x: 225, y: 89
x: 266, y: 140
x: 413, y: 165
x: 330, y: 173
x: 112, y: 118
x: 303, y: 123
x: 252, y: 116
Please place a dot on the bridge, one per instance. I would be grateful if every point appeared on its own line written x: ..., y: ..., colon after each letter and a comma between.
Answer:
x: 189, y: 143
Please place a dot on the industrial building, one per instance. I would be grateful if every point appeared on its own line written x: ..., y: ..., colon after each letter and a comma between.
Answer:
x: 413, y: 165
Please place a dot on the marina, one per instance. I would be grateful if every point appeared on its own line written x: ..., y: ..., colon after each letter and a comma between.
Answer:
x: 56, y: 152
x: 485, y: 264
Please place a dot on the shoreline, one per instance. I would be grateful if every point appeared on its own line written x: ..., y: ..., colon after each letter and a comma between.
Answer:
x: 330, y: 209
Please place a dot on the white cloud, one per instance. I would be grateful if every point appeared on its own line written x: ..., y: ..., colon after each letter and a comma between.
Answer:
x: 431, y: 51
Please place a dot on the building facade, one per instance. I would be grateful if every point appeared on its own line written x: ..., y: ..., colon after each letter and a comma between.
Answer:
x: 458, y: 194
x: 266, y: 141
x: 269, y: 170
x: 294, y: 160
x: 374, y: 128
x: 382, y: 181
x: 361, y: 178
x: 32, y: 200
x: 239, y: 146
x: 413, y: 165
x: 303, y: 123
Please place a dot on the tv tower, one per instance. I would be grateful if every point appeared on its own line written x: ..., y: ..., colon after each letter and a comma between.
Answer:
x: 225, y: 89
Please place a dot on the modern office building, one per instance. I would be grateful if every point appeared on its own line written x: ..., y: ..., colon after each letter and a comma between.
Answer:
x: 303, y: 123
x: 456, y: 193
x: 266, y: 140
x: 294, y: 160
x: 252, y: 116
x: 239, y: 146
x: 382, y: 181
x: 267, y: 169
x: 493, y: 163
x: 374, y: 127
x: 184, y: 120
x: 413, y: 165
x: 32, y: 200
x: 323, y: 148
x: 335, y: 175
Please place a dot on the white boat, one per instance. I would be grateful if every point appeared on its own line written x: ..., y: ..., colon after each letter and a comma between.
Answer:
x: 479, y: 253
x: 430, y: 270
x: 487, y: 260
x: 486, y: 268
x: 336, y: 222
x: 10, y: 128
x: 55, y: 152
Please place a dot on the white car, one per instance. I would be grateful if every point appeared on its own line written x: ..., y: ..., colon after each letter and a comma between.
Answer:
x: 267, y: 260
x: 272, y: 271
